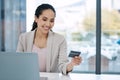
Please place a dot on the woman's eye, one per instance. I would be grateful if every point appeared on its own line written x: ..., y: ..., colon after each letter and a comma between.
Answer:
x: 52, y: 21
x: 44, y: 19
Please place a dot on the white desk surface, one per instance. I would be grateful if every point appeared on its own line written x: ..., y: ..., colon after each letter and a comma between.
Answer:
x: 79, y: 76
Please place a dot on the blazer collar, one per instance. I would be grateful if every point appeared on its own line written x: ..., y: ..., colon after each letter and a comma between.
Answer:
x: 31, y: 39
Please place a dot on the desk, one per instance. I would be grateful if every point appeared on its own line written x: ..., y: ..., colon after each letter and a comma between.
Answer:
x: 79, y: 76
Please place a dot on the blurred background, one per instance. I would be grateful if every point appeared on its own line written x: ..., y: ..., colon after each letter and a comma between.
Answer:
x: 76, y: 20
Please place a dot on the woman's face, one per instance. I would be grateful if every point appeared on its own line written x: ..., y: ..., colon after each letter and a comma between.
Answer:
x: 45, y: 21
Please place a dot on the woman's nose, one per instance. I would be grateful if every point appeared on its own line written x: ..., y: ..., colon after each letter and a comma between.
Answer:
x: 47, y: 23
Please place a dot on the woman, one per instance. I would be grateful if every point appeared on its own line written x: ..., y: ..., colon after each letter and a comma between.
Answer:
x: 50, y: 46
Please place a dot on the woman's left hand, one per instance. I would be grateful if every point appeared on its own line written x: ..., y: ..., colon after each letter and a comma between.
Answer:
x: 76, y: 60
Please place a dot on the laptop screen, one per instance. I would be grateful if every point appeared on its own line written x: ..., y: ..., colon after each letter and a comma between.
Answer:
x: 19, y: 66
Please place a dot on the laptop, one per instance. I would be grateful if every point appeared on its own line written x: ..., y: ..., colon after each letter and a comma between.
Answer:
x: 19, y: 66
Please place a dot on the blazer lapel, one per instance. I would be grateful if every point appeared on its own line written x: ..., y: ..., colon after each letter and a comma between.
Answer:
x: 30, y: 41
x: 49, y: 50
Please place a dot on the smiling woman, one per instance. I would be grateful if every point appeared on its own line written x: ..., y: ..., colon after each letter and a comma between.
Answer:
x: 50, y: 46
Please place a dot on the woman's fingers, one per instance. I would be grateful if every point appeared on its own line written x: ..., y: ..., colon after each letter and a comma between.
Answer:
x: 77, y: 60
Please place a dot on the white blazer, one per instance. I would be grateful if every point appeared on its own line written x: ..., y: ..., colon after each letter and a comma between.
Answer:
x: 56, y: 50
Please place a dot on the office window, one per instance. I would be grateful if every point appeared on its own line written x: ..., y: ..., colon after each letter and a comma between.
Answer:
x: 1, y: 21
x: 12, y: 23
x: 110, y: 39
